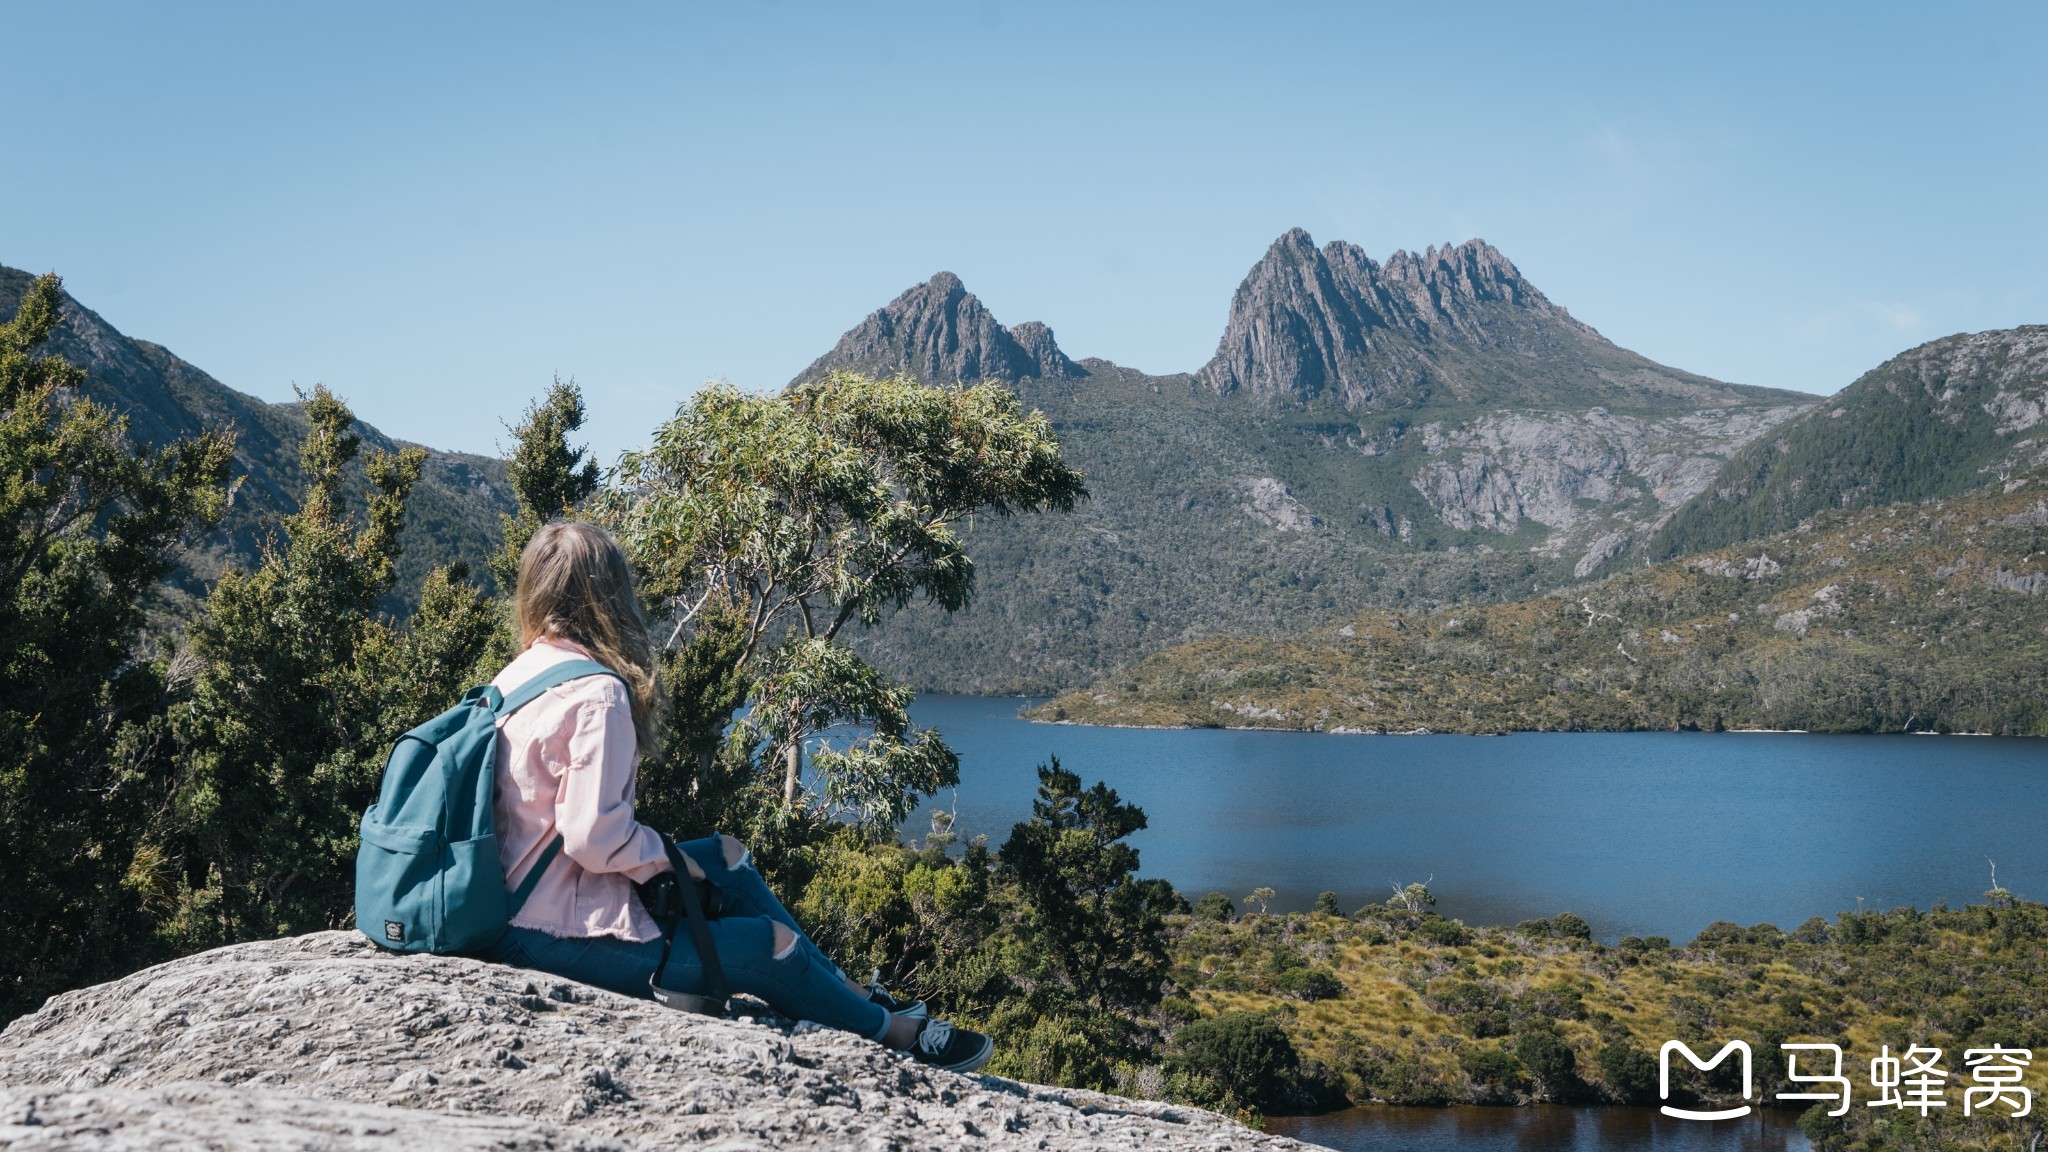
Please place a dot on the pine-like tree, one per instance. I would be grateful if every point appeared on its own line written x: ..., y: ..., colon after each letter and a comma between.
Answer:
x: 302, y: 689
x: 88, y: 523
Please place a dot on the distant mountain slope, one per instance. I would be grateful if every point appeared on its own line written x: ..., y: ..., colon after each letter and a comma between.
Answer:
x: 455, y: 506
x: 1429, y: 431
x: 1911, y: 616
x: 1940, y: 419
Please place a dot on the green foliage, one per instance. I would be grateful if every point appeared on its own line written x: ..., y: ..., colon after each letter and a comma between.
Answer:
x: 1326, y: 904
x: 300, y: 691
x: 1495, y: 1073
x: 1629, y: 1072
x: 761, y: 526
x: 1095, y: 933
x: 1413, y: 898
x: 1215, y: 906
x: 549, y: 478
x: 1247, y: 1055
x: 452, y: 513
x: 1507, y: 1016
x: 1550, y: 1061
x: 874, y: 776
x: 88, y: 522
x: 1930, y: 617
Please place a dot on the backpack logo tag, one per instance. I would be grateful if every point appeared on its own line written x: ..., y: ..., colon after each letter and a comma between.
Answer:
x: 394, y: 931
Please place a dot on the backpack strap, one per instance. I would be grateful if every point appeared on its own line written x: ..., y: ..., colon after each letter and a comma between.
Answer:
x: 549, y: 677
x: 516, y: 899
x: 519, y: 698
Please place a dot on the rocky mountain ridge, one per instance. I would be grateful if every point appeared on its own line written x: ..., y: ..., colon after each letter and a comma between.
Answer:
x: 1453, y: 325
x: 1906, y: 617
x: 324, y: 1041
x: 1430, y: 430
x: 938, y: 330
x: 455, y: 505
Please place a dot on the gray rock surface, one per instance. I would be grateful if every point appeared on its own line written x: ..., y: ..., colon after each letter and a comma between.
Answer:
x: 1599, y: 482
x: 324, y: 1042
x: 939, y: 331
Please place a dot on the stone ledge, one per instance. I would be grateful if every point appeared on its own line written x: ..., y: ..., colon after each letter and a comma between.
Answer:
x: 324, y: 1041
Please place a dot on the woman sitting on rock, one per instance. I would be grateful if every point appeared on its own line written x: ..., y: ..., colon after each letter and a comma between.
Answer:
x: 566, y: 764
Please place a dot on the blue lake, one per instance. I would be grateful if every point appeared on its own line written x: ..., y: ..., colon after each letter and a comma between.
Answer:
x: 1650, y: 833
x: 1640, y: 833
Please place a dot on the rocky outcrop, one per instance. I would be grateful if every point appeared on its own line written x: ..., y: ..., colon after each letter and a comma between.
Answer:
x: 1047, y: 361
x: 1268, y: 501
x: 1599, y: 481
x: 1457, y: 324
x: 322, y: 1041
x: 939, y: 331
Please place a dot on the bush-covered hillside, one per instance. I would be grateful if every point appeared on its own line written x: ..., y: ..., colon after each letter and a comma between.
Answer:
x: 1915, y: 616
x: 1935, y: 421
x: 1407, y: 1007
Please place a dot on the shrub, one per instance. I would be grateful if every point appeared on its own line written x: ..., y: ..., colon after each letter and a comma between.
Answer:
x: 1309, y: 983
x: 1570, y: 926
x: 1448, y: 933
x: 1215, y: 906
x: 1629, y: 1072
x: 1495, y: 1074
x: 1551, y: 1061
x: 1247, y: 1051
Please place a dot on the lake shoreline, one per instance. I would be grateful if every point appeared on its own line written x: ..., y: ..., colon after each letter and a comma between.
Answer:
x: 1424, y: 731
x: 1613, y: 826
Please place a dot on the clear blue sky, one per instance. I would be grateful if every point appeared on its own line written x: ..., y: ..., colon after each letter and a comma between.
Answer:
x: 433, y: 207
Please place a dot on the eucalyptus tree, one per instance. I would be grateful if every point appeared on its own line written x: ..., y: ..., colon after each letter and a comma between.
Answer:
x: 762, y: 526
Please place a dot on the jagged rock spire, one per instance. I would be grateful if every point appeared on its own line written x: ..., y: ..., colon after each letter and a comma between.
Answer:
x: 940, y: 331
x: 1308, y: 322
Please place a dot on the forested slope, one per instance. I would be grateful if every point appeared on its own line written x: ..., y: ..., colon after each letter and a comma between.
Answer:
x: 1934, y: 421
x: 1912, y: 616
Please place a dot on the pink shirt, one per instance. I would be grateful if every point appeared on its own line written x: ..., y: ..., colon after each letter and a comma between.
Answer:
x: 567, y: 763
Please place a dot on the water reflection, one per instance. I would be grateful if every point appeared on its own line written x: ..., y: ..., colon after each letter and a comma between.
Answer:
x: 1543, y: 1128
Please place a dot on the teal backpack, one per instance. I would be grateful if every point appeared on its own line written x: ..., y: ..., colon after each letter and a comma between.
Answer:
x: 427, y: 874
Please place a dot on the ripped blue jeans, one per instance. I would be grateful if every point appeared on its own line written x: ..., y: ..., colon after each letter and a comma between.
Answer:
x: 802, y: 984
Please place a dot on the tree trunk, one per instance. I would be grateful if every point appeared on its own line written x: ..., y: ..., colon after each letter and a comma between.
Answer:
x: 792, y: 761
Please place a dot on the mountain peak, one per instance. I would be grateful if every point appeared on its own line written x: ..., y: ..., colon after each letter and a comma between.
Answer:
x: 939, y: 331
x: 1456, y: 322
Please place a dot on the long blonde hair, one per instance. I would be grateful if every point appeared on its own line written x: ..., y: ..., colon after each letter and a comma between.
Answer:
x: 575, y: 585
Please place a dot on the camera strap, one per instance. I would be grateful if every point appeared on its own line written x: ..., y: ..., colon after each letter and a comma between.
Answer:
x: 714, y: 1001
